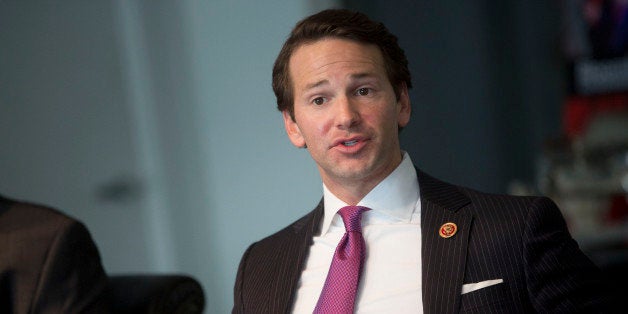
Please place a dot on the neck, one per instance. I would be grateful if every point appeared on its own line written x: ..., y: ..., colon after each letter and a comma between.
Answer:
x: 353, y: 190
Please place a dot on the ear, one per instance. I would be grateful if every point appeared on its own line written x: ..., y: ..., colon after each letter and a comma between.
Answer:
x: 293, y: 131
x: 405, y: 108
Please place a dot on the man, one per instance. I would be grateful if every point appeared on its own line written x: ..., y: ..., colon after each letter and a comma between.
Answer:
x: 341, y: 82
x: 48, y: 262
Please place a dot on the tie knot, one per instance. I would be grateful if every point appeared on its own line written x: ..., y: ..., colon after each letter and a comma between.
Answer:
x: 352, y: 216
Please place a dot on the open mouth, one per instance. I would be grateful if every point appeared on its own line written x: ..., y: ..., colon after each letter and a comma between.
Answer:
x: 350, y: 143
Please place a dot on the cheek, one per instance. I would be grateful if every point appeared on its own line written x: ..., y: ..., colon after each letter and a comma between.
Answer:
x: 383, y: 119
x: 317, y: 125
x: 312, y: 130
x: 322, y: 128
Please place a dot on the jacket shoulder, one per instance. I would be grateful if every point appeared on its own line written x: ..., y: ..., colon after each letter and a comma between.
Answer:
x: 17, y: 216
x: 307, y: 224
x: 270, y: 268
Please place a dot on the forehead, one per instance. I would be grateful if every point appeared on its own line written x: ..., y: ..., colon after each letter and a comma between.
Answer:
x: 327, y: 56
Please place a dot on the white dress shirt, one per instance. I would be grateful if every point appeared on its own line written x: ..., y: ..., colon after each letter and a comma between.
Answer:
x: 391, y: 278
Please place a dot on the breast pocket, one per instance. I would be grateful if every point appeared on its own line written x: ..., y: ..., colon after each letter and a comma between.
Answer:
x: 492, y: 299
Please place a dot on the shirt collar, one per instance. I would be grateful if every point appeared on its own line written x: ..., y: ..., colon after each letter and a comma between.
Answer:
x: 396, y: 196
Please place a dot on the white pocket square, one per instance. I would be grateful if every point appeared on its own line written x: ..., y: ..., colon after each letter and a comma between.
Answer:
x: 470, y: 287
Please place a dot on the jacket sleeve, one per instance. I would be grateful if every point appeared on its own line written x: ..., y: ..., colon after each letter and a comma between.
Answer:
x: 561, y: 279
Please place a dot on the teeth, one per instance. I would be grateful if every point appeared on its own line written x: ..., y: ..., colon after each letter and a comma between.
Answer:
x: 350, y: 143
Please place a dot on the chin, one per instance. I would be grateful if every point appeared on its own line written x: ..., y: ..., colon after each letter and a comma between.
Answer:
x: 355, y: 173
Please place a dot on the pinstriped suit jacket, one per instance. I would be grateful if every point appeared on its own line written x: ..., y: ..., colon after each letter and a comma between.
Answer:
x: 522, y: 240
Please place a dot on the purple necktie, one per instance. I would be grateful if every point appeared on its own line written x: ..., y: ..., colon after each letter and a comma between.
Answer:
x: 338, y: 295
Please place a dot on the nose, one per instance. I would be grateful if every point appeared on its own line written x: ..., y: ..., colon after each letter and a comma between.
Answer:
x: 347, y: 114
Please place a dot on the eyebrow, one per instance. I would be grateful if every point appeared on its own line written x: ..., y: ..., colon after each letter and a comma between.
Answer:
x: 316, y: 84
x: 363, y: 75
x: 353, y: 76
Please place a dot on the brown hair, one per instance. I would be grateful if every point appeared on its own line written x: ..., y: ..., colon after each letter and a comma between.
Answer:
x: 344, y: 24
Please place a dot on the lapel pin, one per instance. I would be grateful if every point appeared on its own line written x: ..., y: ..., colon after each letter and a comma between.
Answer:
x: 448, y: 230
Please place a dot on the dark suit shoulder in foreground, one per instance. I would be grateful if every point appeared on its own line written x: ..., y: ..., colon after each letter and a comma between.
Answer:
x: 48, y: 262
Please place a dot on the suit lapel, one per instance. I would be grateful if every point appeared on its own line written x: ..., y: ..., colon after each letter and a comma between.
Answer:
x: 304, y: 230
x: 443, y: 259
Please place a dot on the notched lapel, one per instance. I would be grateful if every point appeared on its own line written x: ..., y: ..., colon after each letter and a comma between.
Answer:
x: 304, y: 231
x: 443, y: 258
x: 440, y: 193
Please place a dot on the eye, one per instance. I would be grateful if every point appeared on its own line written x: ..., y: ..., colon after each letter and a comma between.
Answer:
x: 363, y: 91
x: 318, y: 101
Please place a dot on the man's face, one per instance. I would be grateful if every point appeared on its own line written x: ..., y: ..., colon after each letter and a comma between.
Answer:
x: 346, y: 111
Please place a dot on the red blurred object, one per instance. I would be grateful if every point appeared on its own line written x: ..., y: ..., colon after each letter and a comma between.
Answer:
x: 618, y: 212
x: 580, y: 110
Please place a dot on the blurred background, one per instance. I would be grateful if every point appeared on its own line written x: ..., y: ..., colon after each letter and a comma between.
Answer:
x: 154, y: 122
